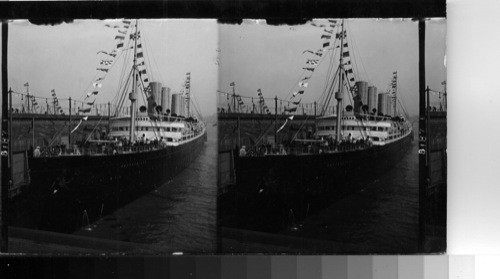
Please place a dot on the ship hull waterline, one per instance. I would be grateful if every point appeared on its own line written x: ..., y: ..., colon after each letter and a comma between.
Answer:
x: 70, y: 192
x: 274, y: 193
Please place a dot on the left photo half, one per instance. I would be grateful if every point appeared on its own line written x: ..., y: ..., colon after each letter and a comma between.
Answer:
x: 111, y: 139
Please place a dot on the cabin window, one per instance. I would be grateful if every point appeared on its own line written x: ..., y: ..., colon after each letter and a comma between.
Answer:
x: 121, y: 128
x: 158, y: 129
x: 169, y: 140
x: 147, y: 129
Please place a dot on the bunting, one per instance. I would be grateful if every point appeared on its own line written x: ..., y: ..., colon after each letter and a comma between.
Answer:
x: 326, y: 36
x: 339, y: 35
x: 106, y: 62
x: 308, y: 69
x: 303, y: 84
x: 76, y: 128
x: 313, y: 62
x: 103, y: 69
x: 87, y: 110
x: 134, y: 36
x: 282, y: 126
x: 291, y: 109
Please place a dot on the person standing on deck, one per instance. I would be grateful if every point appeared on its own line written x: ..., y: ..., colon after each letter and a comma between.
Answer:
x: 36, y: 153
x: 243, y: 152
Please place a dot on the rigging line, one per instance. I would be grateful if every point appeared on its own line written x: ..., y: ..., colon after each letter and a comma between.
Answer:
x: 261, y: 137
x: 330, y: 93
x: 330, y: 79
x: 405, y: 113
x: 356, y: 50
x: 300, y: 127
x: 121, y: 101
x: 146, y: 57
x: 95, y: 127
x: 195, y: 105
x: 330, y: 66
x: 146, y: 41
x: 123, y: 71
x: 125, y: 62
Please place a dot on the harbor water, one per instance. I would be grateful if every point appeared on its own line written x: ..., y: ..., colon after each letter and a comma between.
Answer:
x: 177, y: 216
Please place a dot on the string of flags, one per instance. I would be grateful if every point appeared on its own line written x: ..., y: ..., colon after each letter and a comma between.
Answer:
x: 331, y: 31
x: 262, y: 102
x: 107, y: 60
x: 56, y: 102
x: 394, y: 83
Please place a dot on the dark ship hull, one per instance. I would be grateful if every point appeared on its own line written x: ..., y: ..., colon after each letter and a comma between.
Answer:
x: 275, y: 192
x: 66, y: 190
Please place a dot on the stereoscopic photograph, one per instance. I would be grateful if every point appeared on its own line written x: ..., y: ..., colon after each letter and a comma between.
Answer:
x: 140, y: 136
x: 325, y: 143
x: 112, y: 137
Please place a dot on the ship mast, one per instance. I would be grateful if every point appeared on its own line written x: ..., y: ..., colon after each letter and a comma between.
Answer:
x: 133, y: 94
x: 188, y: 92
x: 395, y: 92
x: 339, y: 94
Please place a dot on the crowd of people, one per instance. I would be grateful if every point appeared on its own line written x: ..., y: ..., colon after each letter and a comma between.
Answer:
x: 108, y: 147
x: 319, y: 146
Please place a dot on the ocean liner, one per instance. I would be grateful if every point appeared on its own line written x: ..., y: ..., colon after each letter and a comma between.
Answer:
x: 280, y: 183
x: 145, y: 146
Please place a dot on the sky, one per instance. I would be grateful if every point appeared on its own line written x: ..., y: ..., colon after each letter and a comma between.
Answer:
x: 64, y: 58
x: 259, y: 56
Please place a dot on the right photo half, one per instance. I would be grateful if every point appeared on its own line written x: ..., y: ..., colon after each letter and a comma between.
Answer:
x: 332, y: 136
